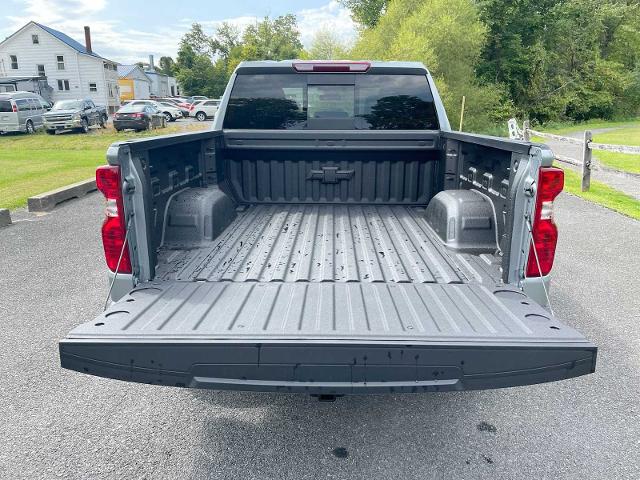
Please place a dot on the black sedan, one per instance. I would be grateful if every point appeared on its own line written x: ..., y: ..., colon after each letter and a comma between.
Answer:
x: 138, y: 117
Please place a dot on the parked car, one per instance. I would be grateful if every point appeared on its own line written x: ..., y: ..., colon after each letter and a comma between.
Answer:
x: 184, y: 109
x: 22, y: 111
x: 138, y: 117
x: 76, y: 115
x: 204, y: 109
x: 195, y: 98
x: 320, y: 239
x: 170, y: 112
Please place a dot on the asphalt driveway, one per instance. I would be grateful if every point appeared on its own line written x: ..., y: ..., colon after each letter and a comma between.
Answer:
x: 57, y: 423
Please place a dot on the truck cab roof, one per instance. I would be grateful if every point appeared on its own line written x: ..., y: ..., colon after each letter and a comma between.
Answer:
x: 374, y: 66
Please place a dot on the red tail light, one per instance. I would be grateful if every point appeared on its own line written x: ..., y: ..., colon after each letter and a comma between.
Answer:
x: 191, y: 107
x: 114, y: 228
x: 14, y: 107
x: 545, y: 232
x: 341, y: 66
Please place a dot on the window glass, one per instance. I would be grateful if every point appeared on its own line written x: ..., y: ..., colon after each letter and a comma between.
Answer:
x: 5, y: 106
x: 93, y: 87
x: 67, y: 105
x: 371, y: 102
x: 267, y: 102
x: 35, y: 40
x: 60, y: 61
x: 331, y: 101
x: 41, y: 71
x: 14, y: 62
x: 63, y: 85
x: 395, y: 102
x: 22, y: 104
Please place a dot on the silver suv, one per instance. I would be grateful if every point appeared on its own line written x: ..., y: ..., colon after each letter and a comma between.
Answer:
x: 22, y: 111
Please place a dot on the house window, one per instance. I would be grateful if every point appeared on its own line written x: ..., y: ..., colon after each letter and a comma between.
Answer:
x: 93, y: 87
x: 63, y: 85
x: 110, y: 87
x: 35, y: 40
x: 41, y: 72
x: 14, y: 62
x: 60, y: 60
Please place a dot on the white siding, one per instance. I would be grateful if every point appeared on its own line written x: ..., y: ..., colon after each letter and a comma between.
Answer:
x: 79, y: 69
x: 161, y: 84
x: 141, y: 89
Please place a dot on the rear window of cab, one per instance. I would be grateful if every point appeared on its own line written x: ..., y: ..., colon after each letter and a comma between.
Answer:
x: 331, y: 101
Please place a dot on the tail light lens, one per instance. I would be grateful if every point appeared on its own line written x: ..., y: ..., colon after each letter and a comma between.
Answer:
x: 114, y: 228
x: 545, y: 232
x: 14, y: 107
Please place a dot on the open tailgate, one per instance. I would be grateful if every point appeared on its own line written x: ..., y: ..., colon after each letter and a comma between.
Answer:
x: 327, y: 338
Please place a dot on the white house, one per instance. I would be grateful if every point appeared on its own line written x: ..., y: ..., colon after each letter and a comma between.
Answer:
x: 161, y: 85
x: 134, y: 83
x: 73, y: 70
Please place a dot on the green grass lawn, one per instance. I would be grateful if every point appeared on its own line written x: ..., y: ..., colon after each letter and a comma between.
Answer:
x: 601, y: 194
x: 627, y: 133
x: 620, y: 161
x: 33, y: 164
x: 560, y: 128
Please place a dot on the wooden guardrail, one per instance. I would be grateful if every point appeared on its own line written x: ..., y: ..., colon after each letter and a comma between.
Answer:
x: 586, y: 143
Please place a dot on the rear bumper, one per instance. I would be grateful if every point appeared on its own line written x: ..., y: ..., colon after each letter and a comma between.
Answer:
x: 328, y: 367
x: 129, y: 124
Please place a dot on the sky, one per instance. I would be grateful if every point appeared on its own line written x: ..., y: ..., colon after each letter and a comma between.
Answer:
x: 129, y: 31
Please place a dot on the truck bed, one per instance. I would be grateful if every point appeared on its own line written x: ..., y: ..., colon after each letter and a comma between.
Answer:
x: 326, y: 243
x: 327, y: 299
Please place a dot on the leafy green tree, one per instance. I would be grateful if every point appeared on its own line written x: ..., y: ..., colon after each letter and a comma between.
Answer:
x: 366, y: 12
x: 199, y: 41
x: 205, y: 63
x: 196, y: 72
x: 447, y: 36
x: 325, y: 45
x: 564, y: 58
x: 167, y: 66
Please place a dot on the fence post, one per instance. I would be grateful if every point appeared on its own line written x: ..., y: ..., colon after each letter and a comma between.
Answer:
x: 586, y: 161
x: 526, y: 136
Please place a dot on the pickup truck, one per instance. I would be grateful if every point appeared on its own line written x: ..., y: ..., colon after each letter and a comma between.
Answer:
x: 329, y: 235
x: 76, y: 115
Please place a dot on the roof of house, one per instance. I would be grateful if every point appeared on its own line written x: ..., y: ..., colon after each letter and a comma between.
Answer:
x: 125, y: 70
x: 63, y: 37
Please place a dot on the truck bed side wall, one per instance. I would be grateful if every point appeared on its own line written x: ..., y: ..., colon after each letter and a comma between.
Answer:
x: 499, y: 169
x: 153, y: 171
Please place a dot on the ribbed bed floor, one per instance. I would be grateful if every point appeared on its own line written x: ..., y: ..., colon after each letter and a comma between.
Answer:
x: 326, y: 243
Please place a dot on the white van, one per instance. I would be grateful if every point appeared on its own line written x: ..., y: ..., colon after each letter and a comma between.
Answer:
x: 21, y: 111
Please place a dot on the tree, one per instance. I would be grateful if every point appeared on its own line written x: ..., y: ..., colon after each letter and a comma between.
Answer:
x: 276, y: 39
x: 205, y: 63
x: 167, y: 66
x: 447, y: 36
x: 199, y: 41
x: 326, y: 46
x: 563, y: 58
x: 366, y: 12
